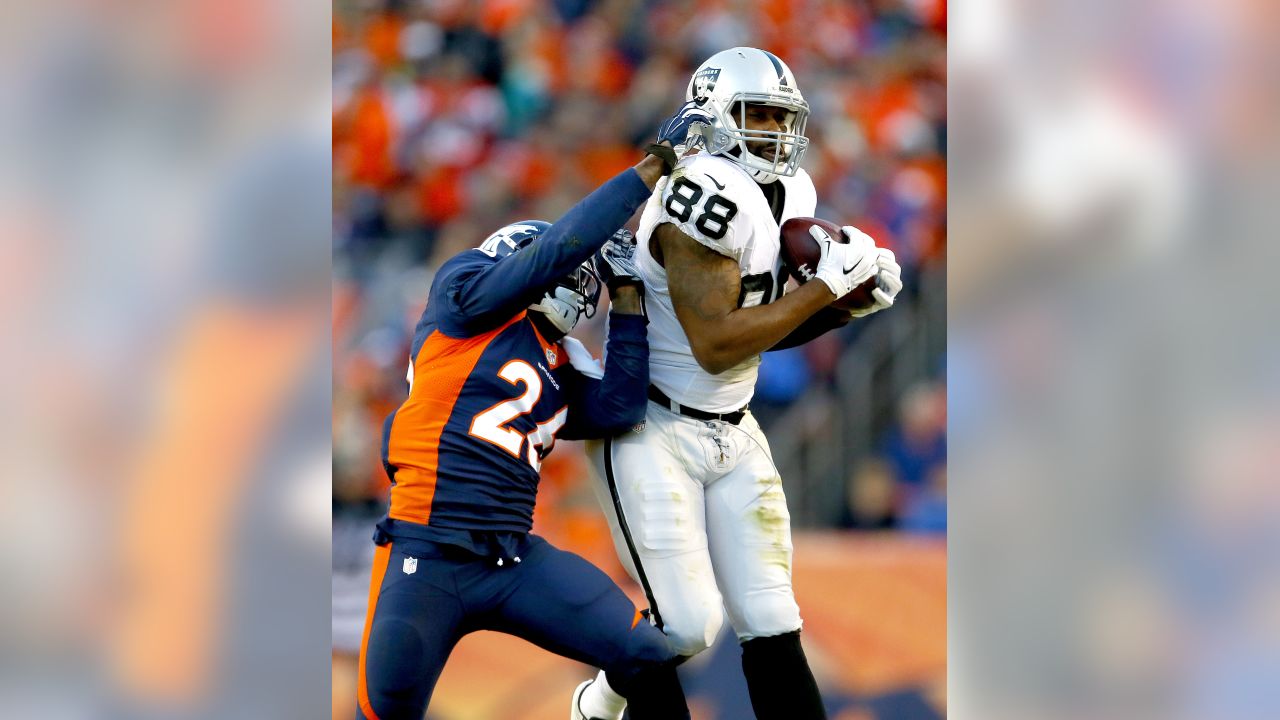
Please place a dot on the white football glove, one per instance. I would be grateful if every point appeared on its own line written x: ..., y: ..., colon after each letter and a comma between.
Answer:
x: 888, y: 283
x: 845, y: 266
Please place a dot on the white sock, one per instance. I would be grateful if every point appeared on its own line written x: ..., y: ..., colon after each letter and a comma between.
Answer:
x: 601, y: 701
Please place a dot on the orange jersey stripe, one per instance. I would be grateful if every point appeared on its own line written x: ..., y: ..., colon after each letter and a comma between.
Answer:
x: 381, y: 556
x: 555, y: 352
x: 441, y: 368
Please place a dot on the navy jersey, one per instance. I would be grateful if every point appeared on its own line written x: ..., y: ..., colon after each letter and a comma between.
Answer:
x: 489, y: 395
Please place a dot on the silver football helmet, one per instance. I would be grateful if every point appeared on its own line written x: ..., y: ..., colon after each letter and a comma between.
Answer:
x: 730, y: 80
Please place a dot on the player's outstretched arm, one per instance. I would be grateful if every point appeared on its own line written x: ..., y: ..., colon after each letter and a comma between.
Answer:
x: 600, y: 408
x: 492, y: 292
x: 705, y: 287
x: 485, y: 296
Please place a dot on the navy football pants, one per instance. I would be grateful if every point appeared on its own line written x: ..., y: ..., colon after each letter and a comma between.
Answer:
x: 425, y: 596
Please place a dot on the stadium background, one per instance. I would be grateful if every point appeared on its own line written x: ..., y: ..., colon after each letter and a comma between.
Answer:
x: 452, y: 118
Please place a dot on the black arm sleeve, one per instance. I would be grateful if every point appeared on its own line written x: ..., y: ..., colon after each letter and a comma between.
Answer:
x: 613, y: 404
x: 484, y: 300
x: 820, y: 323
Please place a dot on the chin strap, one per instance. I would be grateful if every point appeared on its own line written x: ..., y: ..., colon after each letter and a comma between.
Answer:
x: 761, y: 176
x: 553, y: 316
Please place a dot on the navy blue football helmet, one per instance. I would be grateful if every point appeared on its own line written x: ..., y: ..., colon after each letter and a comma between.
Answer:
x: 571, y: 298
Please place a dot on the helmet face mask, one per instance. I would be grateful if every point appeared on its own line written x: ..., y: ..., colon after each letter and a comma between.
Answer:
x: 572, y: 299
x: 725, y: 85
x: 788, y: 145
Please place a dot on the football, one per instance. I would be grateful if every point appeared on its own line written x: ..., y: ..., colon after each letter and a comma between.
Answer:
x: 800, y: 255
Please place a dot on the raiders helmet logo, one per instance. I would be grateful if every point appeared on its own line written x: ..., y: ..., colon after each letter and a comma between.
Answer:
x: 704, y: 83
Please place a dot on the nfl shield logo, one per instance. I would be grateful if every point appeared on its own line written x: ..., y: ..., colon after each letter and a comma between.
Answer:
x: 410, y: 566
x: 551, y: 356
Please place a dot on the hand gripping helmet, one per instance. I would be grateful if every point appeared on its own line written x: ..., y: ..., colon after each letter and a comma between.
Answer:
x: 572, y: 297
x: 730, y: 80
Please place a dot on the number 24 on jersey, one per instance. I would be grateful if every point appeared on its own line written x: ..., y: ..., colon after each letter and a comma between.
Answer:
x: 491, y: 425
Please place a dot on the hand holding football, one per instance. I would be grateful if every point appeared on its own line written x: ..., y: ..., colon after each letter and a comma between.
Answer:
x: 800, y: 255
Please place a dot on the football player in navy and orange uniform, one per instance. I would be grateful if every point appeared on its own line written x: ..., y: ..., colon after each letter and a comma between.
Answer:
x: 493, y: 383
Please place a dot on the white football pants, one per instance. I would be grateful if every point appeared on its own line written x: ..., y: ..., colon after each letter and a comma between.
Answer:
x: 706, y: 520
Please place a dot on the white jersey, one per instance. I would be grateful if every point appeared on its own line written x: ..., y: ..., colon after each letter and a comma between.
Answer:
x: 715, y: 202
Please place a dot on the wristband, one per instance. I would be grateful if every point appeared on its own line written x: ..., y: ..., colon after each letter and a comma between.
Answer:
x: 665, y: 154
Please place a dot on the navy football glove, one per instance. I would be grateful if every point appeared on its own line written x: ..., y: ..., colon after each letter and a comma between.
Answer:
x: 616, y: 261
x: 680, y: 131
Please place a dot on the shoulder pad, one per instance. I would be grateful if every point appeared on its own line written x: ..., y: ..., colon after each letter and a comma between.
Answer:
x: 702, y: 199
x: 802, y: 198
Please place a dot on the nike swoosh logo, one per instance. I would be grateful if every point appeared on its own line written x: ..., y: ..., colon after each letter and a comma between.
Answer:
x: 716, y: 182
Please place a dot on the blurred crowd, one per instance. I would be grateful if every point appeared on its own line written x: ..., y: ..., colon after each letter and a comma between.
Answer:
x: 452, y: 118
x: 904, y: 484
x: 1115, y: 553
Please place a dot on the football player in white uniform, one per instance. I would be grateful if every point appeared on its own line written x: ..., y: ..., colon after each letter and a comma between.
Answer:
x: 693, y: 496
